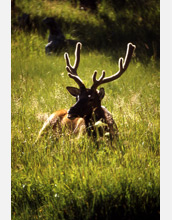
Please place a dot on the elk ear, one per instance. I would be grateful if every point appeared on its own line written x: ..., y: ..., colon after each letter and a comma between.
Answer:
x: 101, y: 93
x: 73, y: 91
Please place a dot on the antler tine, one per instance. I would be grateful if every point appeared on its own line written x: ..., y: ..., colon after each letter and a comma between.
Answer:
x: 122, y: 68
x: 96, y: 82
x: 77, y: 80
x: 72, y: 70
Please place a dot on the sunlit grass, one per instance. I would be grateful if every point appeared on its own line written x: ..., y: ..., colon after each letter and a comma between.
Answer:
x: 76, y: 179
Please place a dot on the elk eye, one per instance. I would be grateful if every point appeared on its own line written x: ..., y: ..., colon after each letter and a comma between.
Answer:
x: 90, y: 97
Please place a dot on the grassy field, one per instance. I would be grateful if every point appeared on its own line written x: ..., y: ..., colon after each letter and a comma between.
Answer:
x: 74, y: 178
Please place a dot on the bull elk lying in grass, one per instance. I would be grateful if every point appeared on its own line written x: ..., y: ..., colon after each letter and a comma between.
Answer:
x: 87, y: 113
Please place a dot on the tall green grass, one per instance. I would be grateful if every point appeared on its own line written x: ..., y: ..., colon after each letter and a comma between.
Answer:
x: 74, y: 178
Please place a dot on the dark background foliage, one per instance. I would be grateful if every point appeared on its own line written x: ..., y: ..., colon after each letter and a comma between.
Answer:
x: 122, y: 21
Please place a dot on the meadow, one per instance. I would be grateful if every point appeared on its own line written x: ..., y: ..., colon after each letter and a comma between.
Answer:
x: 73, y: 178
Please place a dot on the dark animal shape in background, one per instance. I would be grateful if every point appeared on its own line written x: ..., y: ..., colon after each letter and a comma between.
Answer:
x: 25, y: 22
x: 56, y: 39
x: 87, y: 114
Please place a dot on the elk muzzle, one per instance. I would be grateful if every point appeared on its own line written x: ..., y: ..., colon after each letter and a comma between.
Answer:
x: 72, y: 114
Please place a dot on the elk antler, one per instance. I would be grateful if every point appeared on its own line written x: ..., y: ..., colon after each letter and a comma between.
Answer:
x: 72, y: 70
x: 122, y: 68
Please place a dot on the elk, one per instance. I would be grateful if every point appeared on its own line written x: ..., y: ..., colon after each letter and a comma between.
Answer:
x: 87, y: 112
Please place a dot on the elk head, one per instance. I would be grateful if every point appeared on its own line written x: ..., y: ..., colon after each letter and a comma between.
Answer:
x: 88, y: 100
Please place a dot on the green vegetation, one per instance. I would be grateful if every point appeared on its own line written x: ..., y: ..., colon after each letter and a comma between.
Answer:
x: 74, y: 178
x: 111, y: 26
